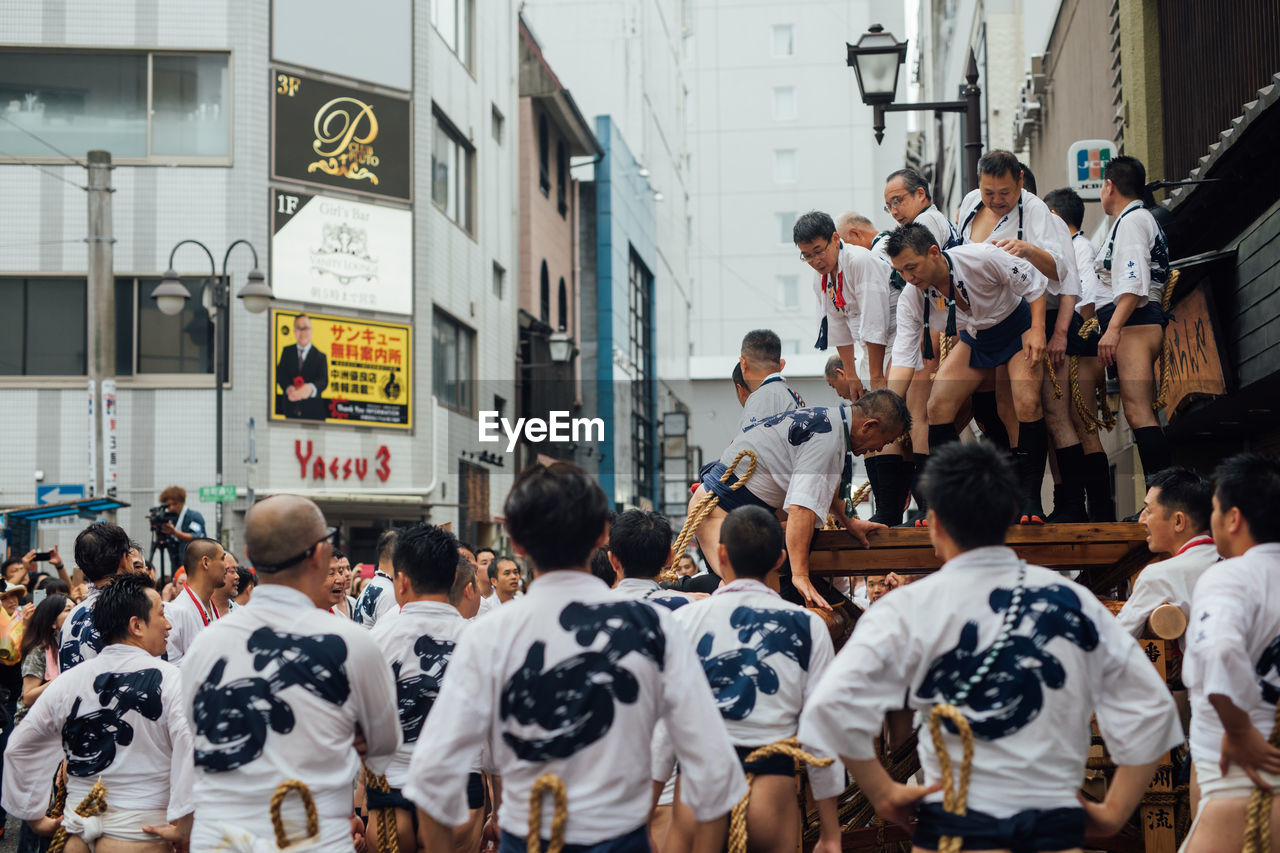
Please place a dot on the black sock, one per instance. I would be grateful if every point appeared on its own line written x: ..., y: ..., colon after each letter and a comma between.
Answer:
x: 940, y: 434
x: 892, y: 481
x: 1097, y: 487
x: 1153, y: 450
x: 918, y: 461
x: 1071, y: 464
x: 1033, y: 450
x: 987, y: 415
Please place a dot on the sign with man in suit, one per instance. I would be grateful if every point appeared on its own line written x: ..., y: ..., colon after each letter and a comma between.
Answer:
x: 341, y: 370
x: 302, y: 374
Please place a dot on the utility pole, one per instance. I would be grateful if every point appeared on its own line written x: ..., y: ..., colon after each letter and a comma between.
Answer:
x: 101, y: 303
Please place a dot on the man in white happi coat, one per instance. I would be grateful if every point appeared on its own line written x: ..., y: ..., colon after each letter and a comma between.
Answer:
x: 1176, y: 512
x: 1232, y: 665
x: 192, y: 609
x: 570, y: 679
x: 1024, y: 655
x: 118, y: 721
x: 279, y: 691
x: 763, y: 657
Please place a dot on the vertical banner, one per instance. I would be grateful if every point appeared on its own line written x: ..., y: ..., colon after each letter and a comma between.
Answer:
x: 110, y: 439
x: 341, y: 370
x: 92, y: 479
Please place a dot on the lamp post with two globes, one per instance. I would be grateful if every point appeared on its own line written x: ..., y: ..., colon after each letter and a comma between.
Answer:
x: 171, y: 295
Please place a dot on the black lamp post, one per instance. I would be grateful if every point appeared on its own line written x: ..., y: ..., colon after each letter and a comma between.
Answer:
x: 171, y: 295
x: 876, y: 59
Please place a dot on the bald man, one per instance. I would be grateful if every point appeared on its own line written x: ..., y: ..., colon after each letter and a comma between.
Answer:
x: 856, y: 229
x: 278, y: 689
x: 192, y: 609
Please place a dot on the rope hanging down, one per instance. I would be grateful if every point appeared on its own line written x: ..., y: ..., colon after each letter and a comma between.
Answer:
x: 1257, y: 816
x: 384, y: 820
x: 277, y: 821
x: 94, y: 803
x: 954, y: 798
x: 547, y: 783
x: 738, y: 819
x: 1089, y: 414
x: 709, y: 501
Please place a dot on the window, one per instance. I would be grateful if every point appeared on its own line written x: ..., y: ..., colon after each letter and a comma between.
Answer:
x: 544, y: 295
x: 783, y: 40
x: 451, y: 169
x: 149, y: 341
x: 544, y: 156
x: 784, y: 103
x: 499, y: 279
x: 788, y: 291
x: 452, y: 20
x: 784, y: 165
x: 562, y: 178
x: 498, y: 122
x: 786, y: 222
x: 562, y: 308
x: 644, y: 435
x: 140, y: 106
x: 45, y: 327
x: 453, y: 371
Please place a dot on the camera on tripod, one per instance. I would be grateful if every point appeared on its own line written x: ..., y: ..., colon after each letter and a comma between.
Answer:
x: 159, y: 516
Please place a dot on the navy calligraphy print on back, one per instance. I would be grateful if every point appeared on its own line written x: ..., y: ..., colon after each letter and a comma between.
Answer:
x: 82, y: 633
x: 236, y: 717
x: 1269, y: 663
x: 367, y: 604
x: 737, y: 676
x: 415, y: 694
x: 91, y: 741
x: 573, y: 701
x: 1012, y: 693
x: 805, y: 424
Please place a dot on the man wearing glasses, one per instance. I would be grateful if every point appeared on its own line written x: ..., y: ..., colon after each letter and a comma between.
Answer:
x: 280, y: 690
x: 907, y: 200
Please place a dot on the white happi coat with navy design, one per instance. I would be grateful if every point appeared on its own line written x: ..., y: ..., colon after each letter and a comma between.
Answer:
x: 1068, y: 657
x: 763, y: 657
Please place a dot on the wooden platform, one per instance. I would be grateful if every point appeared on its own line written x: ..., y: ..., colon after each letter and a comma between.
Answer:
x: 1107, y: 555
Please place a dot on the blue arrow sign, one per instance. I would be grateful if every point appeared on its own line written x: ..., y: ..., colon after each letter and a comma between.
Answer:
x: 58, y: 493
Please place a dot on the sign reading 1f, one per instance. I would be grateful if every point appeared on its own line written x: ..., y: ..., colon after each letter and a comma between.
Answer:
x: 286, y: 204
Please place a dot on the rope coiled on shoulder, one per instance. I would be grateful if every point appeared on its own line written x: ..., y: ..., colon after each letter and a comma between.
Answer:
x: 709, y: 501
x: 547, y: 783
x: 738, y: 818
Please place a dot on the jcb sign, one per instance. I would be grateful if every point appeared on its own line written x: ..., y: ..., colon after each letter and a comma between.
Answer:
x: 1086, y: 164
x: 339, y: 136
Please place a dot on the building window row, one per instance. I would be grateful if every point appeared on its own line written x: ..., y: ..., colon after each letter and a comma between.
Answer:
x: 142, y: 106
x: 454, y: 20
x: 453, y: 363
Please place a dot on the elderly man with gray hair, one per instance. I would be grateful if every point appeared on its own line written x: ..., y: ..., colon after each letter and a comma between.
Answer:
x: 804, y: 464
x: 278, y: 691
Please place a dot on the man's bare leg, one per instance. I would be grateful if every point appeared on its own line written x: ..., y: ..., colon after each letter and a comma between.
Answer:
x: 773, y: 817
x: 115, y: 845
x: 682, y: 827
x: 466, y: 837
x: 708, y: 532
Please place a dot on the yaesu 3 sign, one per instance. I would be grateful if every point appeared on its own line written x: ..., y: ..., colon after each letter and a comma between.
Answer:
x: 341, y: 370
x: 340, y: 136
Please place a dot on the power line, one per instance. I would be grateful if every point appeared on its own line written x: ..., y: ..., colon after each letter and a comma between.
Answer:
x: 44, y: 141
x: 15, y: 161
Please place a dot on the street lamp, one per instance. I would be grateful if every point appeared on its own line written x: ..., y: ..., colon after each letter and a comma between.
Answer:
x: 876, y: 59
x: 171, y: 295
x: 560, y: 347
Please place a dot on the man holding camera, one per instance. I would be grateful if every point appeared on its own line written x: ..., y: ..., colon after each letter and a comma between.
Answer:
x: 180, y: 523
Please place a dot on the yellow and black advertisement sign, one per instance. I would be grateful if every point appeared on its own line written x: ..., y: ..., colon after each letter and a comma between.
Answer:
x: 341, y: 370
x: 340, y: 136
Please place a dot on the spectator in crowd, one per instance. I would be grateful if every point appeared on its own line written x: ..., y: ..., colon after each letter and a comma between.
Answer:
x: 40, y: 649
x: 378, y: 597
x: 602, y: 567
x: 247, y: 580
x: 193, y: 609
x: 224, y: 597
x: 504, y: 576
x: 25, y: 572
x: 340, y: 602
x: 189, y: 524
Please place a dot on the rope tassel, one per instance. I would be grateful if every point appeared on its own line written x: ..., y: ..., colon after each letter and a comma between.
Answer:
x: 954, y: 797
x: 277, y: 820
x: 384, y: 820
x: 547, y: 783
x: 94, y: 803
